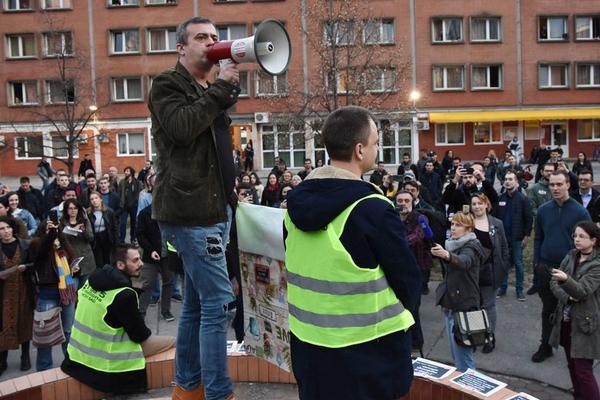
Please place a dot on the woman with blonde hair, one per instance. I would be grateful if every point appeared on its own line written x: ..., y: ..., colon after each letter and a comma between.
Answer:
x: 461, y: 258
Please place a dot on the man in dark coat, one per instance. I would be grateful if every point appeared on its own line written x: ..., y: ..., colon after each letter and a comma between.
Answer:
x: 31, y: 198
x: 85, y: 165
x: 463, y: 185
x: 586, y: 195
x: 374, y: 238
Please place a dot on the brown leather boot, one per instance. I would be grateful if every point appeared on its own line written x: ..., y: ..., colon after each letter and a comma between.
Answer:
x: 180, y: 393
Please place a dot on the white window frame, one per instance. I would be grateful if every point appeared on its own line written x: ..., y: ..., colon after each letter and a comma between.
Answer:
x: 159, y: 2
x: 126, y: 134
x: 26, y: 147
x: 595, y: 133
x: 49, y: 148
x: 491, y: 137
x: 247, y: 94
x: 396, y: 130
x: 384, y: 82
x: 565, y: 35
x: 488, y: 24
x: 445, y: 125
x: 19, y: 8
x: 291, y: 150
x: 550, y: 66
x: 276, y: 79
x: 48, y: 96
x: 63, y: 40
x: 20, y: 36
x: 380, y: 23
x: 590, y: 26
x: 128, y: 3
x: 229, y: 28
x: 444, y: 68
x: 488, y: 77
x: 444, y: 21
x: 348, y: 34
x: 11, y: 94
x: 64, y: 5
x: 594, y: 74
x: 126, y: 80
x: 165, y: 31
x: 124, y: 32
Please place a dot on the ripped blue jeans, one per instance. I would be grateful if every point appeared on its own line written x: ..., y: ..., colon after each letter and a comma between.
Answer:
x: 201, y: 356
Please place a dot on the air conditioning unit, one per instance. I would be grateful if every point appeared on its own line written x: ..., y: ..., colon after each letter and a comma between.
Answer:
x: 103, y: 137
x: 262, y: 117
x: 2, y: 141
x: 422, y: 125
x: 83, y: 138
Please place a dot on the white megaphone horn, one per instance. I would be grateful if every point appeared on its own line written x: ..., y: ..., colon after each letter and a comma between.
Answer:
x: 270, y: 47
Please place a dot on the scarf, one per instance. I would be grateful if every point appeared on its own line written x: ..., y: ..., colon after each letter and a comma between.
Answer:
x: 66, y: 285
x: 455, y: 244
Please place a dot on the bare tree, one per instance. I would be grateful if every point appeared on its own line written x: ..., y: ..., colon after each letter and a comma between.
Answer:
x: 354, y: 60
x: 68, y: 99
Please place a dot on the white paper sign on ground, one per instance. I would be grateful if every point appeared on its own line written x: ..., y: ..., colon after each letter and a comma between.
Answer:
x: 478, y: 382
x: 431, y: 369
x: 522, y: 396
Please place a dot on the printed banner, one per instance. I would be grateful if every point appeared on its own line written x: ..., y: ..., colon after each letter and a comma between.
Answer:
x: 264, y: 283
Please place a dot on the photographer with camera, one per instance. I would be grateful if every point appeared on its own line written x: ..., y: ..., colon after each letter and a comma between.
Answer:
x: 467, y: 181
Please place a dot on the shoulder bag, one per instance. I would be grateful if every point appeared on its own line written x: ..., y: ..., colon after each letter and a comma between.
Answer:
x: 47, y: 328
x: 472, y: 328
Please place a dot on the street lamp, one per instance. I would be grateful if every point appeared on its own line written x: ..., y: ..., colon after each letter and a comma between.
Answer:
x: 93, y: 108
x: 415, y: 95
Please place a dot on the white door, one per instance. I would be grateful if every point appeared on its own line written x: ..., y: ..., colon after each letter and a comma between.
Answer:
x: 559, y: 136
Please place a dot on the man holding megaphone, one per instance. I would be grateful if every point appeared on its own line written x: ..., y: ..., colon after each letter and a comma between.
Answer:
x: 193, y: 202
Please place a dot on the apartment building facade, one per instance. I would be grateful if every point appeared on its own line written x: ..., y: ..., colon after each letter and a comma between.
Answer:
x: 486, y: 72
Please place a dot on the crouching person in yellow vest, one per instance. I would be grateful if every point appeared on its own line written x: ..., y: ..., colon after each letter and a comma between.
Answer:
x: 352, y: 279
x: 109, y: 340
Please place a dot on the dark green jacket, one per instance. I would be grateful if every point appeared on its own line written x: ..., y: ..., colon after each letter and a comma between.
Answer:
x: 188, y: 188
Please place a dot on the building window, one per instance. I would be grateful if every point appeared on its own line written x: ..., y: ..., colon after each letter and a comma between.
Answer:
x: 344, y: 80
x: 157, y: 2
x: 449, y: 134
x: 58, y: 44
x: 394, y: 140
x: 20, y: 46
x: 231, y: 32
x: 29, y: 147
x: 244, y: 84
x: 588, y: 129
x: 380, y: 80
x: 60, y: 92
x: 130, y: 144
x: 320, y: 151
x: 60, y: 148
x: 487, y: 132
x: 271, y: 85
x: 587, y: 27
x: 124, y: 42
x: 588, y: 75
x: 23, y: 93
x: 283, y: 141
x: 161, y: 40
x: 486, y: 77
x: 448, y: 77
x: 339, y: 33
x: 447, y: 30
x: 56, y: 4
x: 553, y: 28
x: 378, y: 31
x: 554, y: 76
x: 18, y: 5
x: 127, y: 89
x: 123, y: 3
x: 485, y: 29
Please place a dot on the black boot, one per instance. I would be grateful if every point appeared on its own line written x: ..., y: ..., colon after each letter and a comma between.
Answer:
x: 25, y: 360
x: 544, y: 351
x: 489, y: 346
x: 3, y: 364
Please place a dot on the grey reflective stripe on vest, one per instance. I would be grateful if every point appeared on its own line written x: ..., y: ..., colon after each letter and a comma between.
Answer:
x: 99, y: 335
x: 104, y: 354
x: 345, y: 320
x: 337, y: 288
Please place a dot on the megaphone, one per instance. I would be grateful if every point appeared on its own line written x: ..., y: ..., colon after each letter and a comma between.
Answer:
x: 270, y: 47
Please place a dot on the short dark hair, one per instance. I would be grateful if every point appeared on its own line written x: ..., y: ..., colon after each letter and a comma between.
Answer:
x: 244, y: 186
x: 307, y: 159
x: 551, y: 164
x: 456, y: 158
x: 563, y: 173
x: 90, y: 176
x: 120, y: 251
x: 586, y: 172
x: 590, y: 228
x: 405, y: 155
x: 402, y: 191
x: 12, y: 222
x: 24, y: 179
x: 511, y: 171
x: 478, y: 163
x: 343, y: 129
x: 181, y: 32
x: 415, y: 184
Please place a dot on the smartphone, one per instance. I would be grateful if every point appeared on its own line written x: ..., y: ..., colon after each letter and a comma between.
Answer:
x: 53, y: 216
x: 466, y: 209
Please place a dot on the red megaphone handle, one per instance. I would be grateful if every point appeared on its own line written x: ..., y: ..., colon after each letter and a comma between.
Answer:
x: 219, y: 51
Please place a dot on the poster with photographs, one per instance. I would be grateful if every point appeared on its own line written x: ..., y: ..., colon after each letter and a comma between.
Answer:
x: 264, y: 283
